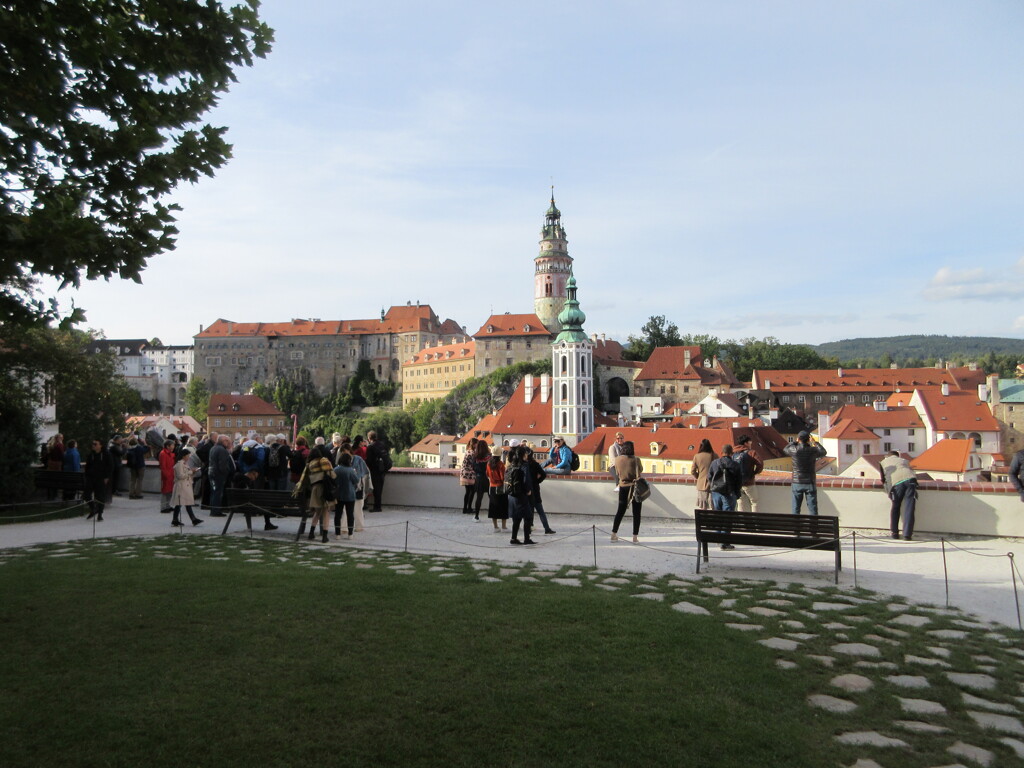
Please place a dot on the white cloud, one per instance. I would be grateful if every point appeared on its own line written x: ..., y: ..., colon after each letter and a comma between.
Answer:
x: 968, y: 284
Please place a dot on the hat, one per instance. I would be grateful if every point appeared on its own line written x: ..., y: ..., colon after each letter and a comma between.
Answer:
x: 513, y: 443
x: 805, y: 435
x: 496, y: 451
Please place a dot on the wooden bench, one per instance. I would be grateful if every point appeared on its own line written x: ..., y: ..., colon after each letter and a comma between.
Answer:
x: 250, y: 501
x: 66, y: 482
x: 819, y: 532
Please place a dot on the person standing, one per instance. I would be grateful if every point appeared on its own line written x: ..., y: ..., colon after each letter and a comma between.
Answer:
x: 805, y: 453
x: 347, y: 483
x: 900, y: 483
x: 750, y: 466
x: 297, y: 459
x: 700, y: 469
x: 725, y: 481
x: 517, y: 484
x: 184, y: 494
x: 97, y: 479
x: 628, y: 469
x: 168, y: 459
x: 277, y: 463
x: 72, y: 463
x: 116, y: 450
x: 378, y: 459
x: 220, y: 472
x: 203, y: 454
x: 613, y: 453
x: 537, y: 476
x: 497, y: 502
x: 135, y: 459
x: 467, y: 476
x: 318, y: 473
x: 480, y: 457
x: 1017, y: 472
x: 54, y: 460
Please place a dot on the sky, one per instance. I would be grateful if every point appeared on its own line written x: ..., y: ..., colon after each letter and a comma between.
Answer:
x: 812, y: 171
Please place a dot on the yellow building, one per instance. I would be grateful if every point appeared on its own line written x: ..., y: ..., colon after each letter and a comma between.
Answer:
x: 435, y: 371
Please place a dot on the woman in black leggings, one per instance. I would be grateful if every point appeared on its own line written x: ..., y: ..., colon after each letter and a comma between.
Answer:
x: 628, y: 469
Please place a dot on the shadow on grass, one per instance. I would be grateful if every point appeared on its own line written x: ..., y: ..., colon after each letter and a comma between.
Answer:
x: 150, y: 661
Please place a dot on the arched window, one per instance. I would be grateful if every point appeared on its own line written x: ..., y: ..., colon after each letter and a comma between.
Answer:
x: 583, y: 365
x: 565, y: 363
x: 565, y: 392
x: 585, y: 429
x: 583, y: 394
x: 565, y: 421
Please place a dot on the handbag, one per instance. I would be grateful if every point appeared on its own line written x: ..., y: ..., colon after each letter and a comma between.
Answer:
x: 641, y: 489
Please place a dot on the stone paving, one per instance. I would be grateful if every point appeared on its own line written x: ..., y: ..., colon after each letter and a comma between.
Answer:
x: 929, y: 679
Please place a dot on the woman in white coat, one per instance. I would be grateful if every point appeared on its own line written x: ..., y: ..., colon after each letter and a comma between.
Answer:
x: 182, y: 494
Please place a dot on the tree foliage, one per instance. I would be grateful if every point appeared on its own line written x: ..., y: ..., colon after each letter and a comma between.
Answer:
x: 101, y: 107
x: 197, y: 399
x: 656, y: 332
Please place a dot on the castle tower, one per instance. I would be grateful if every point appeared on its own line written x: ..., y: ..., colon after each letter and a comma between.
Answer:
x: 572, y: 366
x: 552, y: 269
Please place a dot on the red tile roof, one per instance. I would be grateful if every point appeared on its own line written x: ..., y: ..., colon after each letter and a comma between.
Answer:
x: 671, y: 363
x: 430, y: 444
x: 519, y: 417
x: 896, y: 417
x: 867, y: 379
x: 248, y: 405
x: 848, y: 429
x: 608, y: 352
x: 483, y: 428
x: 958, y: 411
x: 398, y: 319
x: 444, y: 353
x: 512, y: 325
x: 945, y: 456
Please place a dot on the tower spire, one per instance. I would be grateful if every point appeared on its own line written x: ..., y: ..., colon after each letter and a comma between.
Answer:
x: 552, y: 268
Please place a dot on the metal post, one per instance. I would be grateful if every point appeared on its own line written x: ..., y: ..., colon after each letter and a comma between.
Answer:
x: 1016, y: 600
x: 855, y: 560
x: 945, y: 571
x: 406, y: 535
x: 593, y: 530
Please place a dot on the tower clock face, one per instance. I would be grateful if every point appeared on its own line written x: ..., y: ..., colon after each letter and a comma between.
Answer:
x: 545, y: 246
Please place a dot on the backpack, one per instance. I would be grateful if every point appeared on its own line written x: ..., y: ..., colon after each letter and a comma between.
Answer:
x: 574, y: 462
x: 275, y: 457
x: 383, y: 456
x: 514, y: 482
x: 720, y: 481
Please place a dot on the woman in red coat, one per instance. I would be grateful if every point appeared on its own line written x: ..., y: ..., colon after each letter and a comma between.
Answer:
x: 166, y: 475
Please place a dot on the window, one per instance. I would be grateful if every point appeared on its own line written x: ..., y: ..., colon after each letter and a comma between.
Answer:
x: 216, y: 422
x: 487, y: 362
x: 259, y: 422
x: 886, y: 447
x: 849, y: 398
x: 529, y: 342
x: 248, y: 422
x: 910, y: 447
x: 835, y: 398
x: 565, y: 393
x: 238, y: 422
x: 785, y: 398
x: 672, y: 389
x: 865, y: 398
x: 886, y: 432
x: 817, y: 398
x: 910, y: 433
x: 867, y: 447
x: 508, y: 345
x: 849, y: 449
x: 213, y: 360
x: 565, y: 364
x: 296, y: 354
x: 508, y: 361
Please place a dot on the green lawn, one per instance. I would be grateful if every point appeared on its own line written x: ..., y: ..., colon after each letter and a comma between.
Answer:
x: 206, y: 651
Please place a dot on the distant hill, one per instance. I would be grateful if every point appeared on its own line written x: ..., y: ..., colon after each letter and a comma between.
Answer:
x: 901, y: 348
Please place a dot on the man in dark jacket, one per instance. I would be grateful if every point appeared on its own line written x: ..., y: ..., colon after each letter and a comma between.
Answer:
x: 726, y: 481
x: 805, y: 454
x: 220, y: 471
x: 98, y: 468
x: 750, y: 466
x: 378, y: 460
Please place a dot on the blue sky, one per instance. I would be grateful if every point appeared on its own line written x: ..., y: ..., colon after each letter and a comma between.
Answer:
x: 806, y: 170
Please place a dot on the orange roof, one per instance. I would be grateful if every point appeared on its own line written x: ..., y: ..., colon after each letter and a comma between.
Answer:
x: 430, y: 444
x: 671, y: 363
x: 398, y: 319
x: 519, y: 417
x: 181, y: 423
x: 248, y: 405
x: 898, y: 417
x: 945, y: 456
x: 608, y: 351
x: 867, y: 379
x: 682, y: 444
x: 443, y: 353
x: 848, y: 429
x: 483, y: 428
x: 958, y: 411
x: 512, y: 325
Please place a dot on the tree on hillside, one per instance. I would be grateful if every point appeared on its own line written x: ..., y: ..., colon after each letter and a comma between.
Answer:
x: 197, y: 399
x: 101, y: 103
x: 746, y: 355
x: 656, y: 332
x: 467, y: 403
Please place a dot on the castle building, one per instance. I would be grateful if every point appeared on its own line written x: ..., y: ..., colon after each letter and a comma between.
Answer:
x: 552, y: 270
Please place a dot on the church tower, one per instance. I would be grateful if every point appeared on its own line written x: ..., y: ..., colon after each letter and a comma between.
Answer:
x: 552, y: 269
x: 572, y: 366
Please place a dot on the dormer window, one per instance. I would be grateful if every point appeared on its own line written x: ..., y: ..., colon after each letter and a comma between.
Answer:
x: 235, y: 407
x: 222, y: 407
x: 490, y: 329
x: 526, y: 328
x: 654, y: 449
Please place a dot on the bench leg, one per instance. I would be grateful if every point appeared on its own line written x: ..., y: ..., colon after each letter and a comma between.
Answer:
x: 227, y: 522
x: 302, y: 524
x: 839, y: 564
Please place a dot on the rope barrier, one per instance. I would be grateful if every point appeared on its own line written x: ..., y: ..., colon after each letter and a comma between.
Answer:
x: 43, y: 514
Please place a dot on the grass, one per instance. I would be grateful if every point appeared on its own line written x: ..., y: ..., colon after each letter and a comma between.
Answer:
x: 195, y: 651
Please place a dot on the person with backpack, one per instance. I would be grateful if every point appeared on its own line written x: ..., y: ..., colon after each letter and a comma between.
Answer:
x: 378, y: 459
x: 628, y: 469
x: 278, y: 454
x: 750, y: 466
x: 537, y: 476
x: 517, y: 488
x: 560, y: 459
x: 725, y: 481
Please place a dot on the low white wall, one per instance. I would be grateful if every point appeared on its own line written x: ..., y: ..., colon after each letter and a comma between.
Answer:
x: 938, y: 511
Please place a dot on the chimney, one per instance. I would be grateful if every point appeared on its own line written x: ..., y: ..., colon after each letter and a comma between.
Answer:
x: 620, y: 421
x: 545, y: 387
x: 773, y: 413
x: 824, y: 423
x: 528, y: 382
x: 945, y: 389
x: 703, y: 420
x: 655, y: 427
x: 893, y: 366
x: 839, y: 372
x: 983, y: 392
x: 993, y: 388
x: 686, y: 356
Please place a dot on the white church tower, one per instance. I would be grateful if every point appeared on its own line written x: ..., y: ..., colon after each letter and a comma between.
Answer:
x: 572, y: 366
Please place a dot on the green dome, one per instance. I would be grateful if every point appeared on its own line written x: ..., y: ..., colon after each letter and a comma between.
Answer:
x: 571, y: 318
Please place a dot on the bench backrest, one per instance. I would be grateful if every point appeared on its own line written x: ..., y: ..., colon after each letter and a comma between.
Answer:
x: 48, y: 478
x: 768, y: 523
